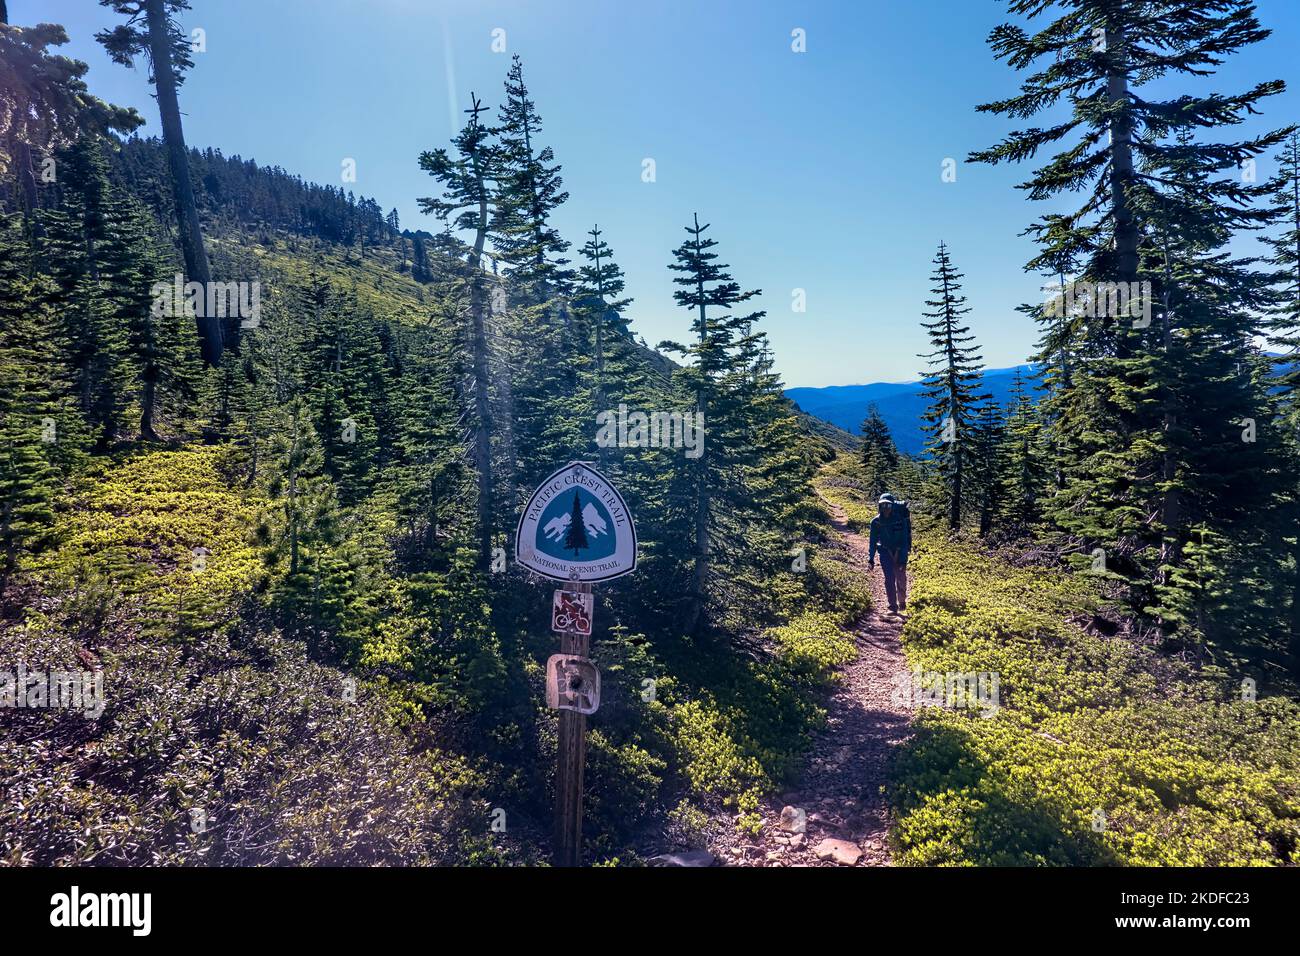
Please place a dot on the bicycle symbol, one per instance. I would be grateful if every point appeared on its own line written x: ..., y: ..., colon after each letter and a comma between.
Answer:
x: 570, y: 615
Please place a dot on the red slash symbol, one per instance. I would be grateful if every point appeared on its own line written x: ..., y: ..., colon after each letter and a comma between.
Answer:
x: 571, y: 612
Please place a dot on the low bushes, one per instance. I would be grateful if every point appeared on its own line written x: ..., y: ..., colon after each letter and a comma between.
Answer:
x: 1101, y: 752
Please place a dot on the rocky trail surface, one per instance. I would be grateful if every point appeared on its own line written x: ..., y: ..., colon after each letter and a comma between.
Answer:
x: 837, y: 814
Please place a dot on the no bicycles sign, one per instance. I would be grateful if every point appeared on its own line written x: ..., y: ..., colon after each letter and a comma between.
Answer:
x: 572, y: 611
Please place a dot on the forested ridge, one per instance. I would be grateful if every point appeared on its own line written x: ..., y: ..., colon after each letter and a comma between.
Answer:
x: 283, y: 531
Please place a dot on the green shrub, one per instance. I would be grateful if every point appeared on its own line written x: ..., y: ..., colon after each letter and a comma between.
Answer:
x: 1102, y: 752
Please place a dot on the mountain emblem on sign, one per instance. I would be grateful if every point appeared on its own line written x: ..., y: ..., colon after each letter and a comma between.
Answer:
x: 576, y: 526
x: 595, y: 525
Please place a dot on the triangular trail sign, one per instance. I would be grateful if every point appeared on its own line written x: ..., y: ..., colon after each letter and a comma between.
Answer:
x: 576, y: 527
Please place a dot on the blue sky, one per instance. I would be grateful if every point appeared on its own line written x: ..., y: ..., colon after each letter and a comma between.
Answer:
x: 819, y: 170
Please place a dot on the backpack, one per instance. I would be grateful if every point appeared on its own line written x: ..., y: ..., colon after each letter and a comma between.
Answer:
x: 904, y: 513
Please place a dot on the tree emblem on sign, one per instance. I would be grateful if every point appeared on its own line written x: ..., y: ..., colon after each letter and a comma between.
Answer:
x: 575, y: 538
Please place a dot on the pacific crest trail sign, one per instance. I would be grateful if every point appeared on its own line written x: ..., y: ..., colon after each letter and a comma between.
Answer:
x: 576, y: 527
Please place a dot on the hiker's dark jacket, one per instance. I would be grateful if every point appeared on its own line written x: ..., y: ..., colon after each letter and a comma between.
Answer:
x: 892, y: 534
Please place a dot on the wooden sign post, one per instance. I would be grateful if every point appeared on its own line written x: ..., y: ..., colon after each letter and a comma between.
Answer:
x: 571, y: 758
x: 575, y: 528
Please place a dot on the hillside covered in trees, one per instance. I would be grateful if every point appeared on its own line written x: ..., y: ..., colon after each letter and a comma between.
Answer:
x: 264, y: 449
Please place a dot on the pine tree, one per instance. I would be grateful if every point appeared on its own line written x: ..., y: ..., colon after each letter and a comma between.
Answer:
x: 44, y: 102
x: 104, y: 270
x: 420, y: 270
x: 301, y: 529
x: 1284, y: 329
x: 879, y: 454
x: 1025, y: 475
x: 344, y: 382
x: 528, y: 191
x: 29, y: 406
x: 1284, y: 324
x: 431, y: 477
x: 712, y: 484
x: 599, y: 298
x: 546, y: 354
x: 465, y: 205
x: 950, y: 383
x: 777, y: 467
x: 1158, y: 389
x: 987, y: 463
x: 151, y: 30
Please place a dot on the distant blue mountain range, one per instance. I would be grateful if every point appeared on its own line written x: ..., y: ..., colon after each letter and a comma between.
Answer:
x: 901, y: 404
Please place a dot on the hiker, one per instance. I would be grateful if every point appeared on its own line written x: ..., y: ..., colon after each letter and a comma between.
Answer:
x: 891, y: 534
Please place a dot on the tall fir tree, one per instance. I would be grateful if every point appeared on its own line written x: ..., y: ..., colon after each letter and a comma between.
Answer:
x: 987, y: 463
x: 711, y: 486
x: 1284, y: 332
x: 1159, y: 387
x: 1284, y: 316
x: 528, y: 191
x: 151, y: 30
x: 1026, y: 466
x: 32, y: 411
x: 104, y: 269
x: 466, y: 206
x: 45, y: 104
x: 300, y: 529
x: 879, y: 454
x: 951, y: 385
x: 598, y: 298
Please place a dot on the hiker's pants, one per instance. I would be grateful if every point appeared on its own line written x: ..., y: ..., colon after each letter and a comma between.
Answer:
x: 895, y: 579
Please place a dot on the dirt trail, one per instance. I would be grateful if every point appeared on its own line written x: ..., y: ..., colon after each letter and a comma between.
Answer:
x: 840, y: 790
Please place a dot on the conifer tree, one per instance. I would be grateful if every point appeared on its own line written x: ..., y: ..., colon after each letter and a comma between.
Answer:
x: 777, y: 464
x: 1284, y: 324
x: 546, y: 356
x: 151, y: 30
x: 1284, y: 330
x: 713, y: 481
x: 951, y: 384
x: 420, y: 270
x: 344, y: 381
x: 879, y: 454
x: 30, y: 412
x: 1159, y: 388
x: 599, y: 298
x: 44, y: 102
x: 301, y: 527
x: 987, y: 463
x: 431, y: 478
x: 104, y: 271
x: 528, y: 191
x: 465, y: 205
x: 1025, y: 474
